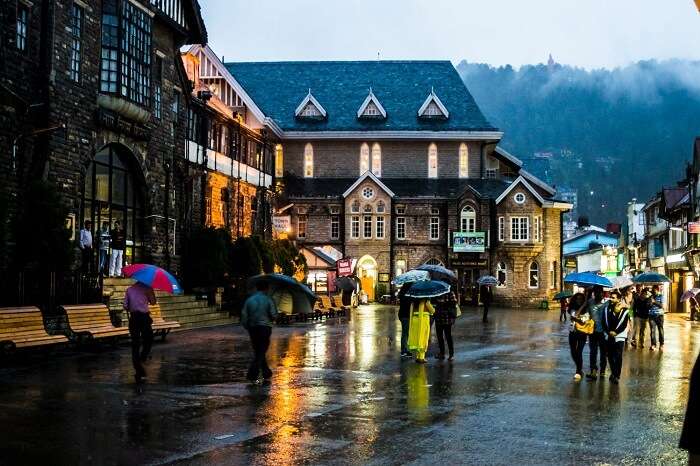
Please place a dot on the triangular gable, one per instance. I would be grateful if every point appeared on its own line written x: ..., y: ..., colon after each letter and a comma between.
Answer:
x: 433, y: 107
x: 373, y: 177
x: 371, y: 107
x: 521, y: 181
x: 534, y: 180
x: 310, y: 104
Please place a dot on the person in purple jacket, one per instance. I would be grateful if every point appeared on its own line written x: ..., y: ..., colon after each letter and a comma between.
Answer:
x: 136, y: 301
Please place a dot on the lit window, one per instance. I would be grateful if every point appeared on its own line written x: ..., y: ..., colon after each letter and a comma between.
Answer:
x: 377, y: 159
x: 432, y: 161
x: 534, y: 275
x: 76, y: 27
x: 501, y: 274
x: 301, y: 226
x: 400, y: 227
x: 380, y: 227
x: 468, y: 219
x: 355, y: 226
x: 367, y: 192
x: 22, y: 25
x: 335, y: 226
x: 536, y: 233
x: 367, y: 229
x: 501, y: 229
x: 364, y: 158
x: 463, y: 161
x: 519, y: 228
x: 519, y: 198
x: 553, y: 274
x: 279, y: 161
x: 308, y: 161
x: 434, y: 227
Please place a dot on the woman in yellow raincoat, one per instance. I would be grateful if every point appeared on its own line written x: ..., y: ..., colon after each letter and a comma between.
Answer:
x: 419, y: 327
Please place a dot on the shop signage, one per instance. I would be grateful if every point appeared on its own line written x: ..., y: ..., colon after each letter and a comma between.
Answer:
x: 344, y: 267
x: 282, y: 223
x: 468, y: 263
x: 693, y: 227
x: 463, y: 241
x: 570, y: 263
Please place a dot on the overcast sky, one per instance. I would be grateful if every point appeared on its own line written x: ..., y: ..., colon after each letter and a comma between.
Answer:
x: 587, y: 33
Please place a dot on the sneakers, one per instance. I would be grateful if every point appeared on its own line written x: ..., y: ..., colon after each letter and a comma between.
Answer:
x: 577, y: 377
x: 593, y: 375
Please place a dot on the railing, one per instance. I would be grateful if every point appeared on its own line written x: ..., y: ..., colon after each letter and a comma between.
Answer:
x: 48, y: 290
x: 173, y: 9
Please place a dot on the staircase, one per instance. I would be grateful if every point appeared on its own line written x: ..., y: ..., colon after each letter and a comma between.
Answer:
x: 186, y: 309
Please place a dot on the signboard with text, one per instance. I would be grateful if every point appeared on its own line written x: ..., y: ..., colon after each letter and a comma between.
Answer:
x: 282, y: 223
x: 694, y: 227
x: 344, y: 267
x: 463, y: 241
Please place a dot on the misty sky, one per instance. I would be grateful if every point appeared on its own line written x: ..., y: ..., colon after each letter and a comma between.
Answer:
x: 587, y: 33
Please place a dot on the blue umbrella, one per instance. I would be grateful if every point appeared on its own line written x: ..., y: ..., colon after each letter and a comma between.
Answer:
x: 428, y: 289
x: 588, y: 279
x: 411, y: 276
x: 651, y: 277
x: 438, y: 272
x: 488, y: 280
x: 302, y: 297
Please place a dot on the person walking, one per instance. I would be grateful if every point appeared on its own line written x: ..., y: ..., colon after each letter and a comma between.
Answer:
x: 656, y: 318
x: 419, y: 327
x: 596, y: 306
x: 563, y: 307
x: 693, y: 309
x: 257, y: 316
x: 615, y: 326
x: 486, y: 296
x: 85, y: 244
x: 404, y: 318
x: 136, y: 301
x: 104, y: 238
x: 445, y: 315
x: 642, y: 305
x: 628, y: 302
x: 578, y: 315
x: 118, y: 244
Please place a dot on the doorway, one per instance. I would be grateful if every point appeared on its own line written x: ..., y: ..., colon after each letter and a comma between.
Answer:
x: 367, y: 272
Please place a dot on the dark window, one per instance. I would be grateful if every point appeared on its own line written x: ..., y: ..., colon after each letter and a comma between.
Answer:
x: 158, y: 89
x: 335, y: 226
x: 126, y: 51
x: 22, y: 25
x: 176, y: 104
x: 76, y: 25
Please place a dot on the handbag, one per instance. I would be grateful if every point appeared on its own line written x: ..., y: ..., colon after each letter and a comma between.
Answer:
x: 587, y: 326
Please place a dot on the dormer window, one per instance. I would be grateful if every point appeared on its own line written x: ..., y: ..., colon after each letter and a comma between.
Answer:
x: 371, y: 108
x: 433, y: 108
x: 310, y: 108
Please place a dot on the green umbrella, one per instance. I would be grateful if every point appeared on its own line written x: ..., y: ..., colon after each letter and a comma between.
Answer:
x: 563, y: 295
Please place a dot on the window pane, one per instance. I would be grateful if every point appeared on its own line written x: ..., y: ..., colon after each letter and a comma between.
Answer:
x: 118, y: 187
x: 102, y: 182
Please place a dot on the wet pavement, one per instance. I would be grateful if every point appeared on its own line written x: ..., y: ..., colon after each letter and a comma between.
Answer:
x: 341, y: 395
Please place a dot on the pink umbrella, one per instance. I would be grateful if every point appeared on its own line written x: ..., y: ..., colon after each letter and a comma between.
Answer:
x: 691, y: 293
x: 153, y: 276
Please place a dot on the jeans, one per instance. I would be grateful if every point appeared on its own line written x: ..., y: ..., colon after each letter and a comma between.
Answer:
x: 141, y: 334
x: 104, y: 260
x: 577, y: 341
x: 597, y: 343
x: 615, y: 350
x: 115, y: 264
x: 260, y: 340
x: 640, y: 326
x: 656, y: 322
x: 444, y: 332
x: 404, y: 334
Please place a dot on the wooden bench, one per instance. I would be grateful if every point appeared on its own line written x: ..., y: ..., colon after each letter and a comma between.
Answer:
x: 328, y: 305
x: 337, y: 302
x: 23, y: 327
x: 161, y: 326
x: 92, y: 321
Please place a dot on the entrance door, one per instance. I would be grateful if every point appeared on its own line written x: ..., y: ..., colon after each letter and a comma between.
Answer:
x: 367, y: 271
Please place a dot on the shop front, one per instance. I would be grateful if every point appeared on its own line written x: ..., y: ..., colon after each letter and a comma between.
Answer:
x: 682, y: 279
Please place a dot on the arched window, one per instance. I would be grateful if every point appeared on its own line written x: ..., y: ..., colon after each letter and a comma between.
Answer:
x: 501, y: 274
x: 368, y: 209
x: 432, y: 161
x: 434, y: 261
x: 377, y: 159
x: 467, y: 219
x: 463, y: 161
x: 279, y: 161
x: 308, y: 161
x: 381, y: 207
x: 364, y: 158
x: 534, y: 275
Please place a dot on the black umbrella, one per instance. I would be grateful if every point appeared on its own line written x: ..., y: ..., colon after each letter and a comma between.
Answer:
x: 348, y: 283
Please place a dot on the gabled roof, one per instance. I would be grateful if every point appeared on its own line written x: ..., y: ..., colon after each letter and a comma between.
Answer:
x: 277, y: 87
x: 673, y: 197
x: 508, y: 156
x: 310, y: 100
x: 433, y: 98
x: 373, y: 177
x: 371, y: 98
x: 520, y: 181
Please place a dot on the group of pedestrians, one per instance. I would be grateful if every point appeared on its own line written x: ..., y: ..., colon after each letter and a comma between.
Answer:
x: 417, y: 317
x: 107, y: 239
x: 609, y: 324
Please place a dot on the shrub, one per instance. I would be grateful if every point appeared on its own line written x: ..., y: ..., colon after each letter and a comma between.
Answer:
x: 206, y: 258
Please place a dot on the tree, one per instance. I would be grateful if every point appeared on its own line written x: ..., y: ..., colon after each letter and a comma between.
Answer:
x: 206, y: 257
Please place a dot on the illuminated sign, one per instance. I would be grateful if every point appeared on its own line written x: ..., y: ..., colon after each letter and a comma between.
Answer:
x: 282, y: 223
x: 694, y: 227
x: 344, y: 267
x: 474, y: 241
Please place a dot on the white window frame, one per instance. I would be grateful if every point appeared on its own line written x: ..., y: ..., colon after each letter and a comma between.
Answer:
x: 302, y: 219
x: 552, y: 274
x: 537, y: 225
x: 400, y: 227
x: 364, y: 158
x: 376, y: 160
x: 335, y: 224
x: 367, y: 222
x: 434, y: 228
x: 519, y: 195
x: 432, y: 160
x: 308, y: 160
x: 379, y: 232
x: 467, y: 219
x: 355, y: 226
x: 463, y: 160
x: 520, y: 225
x: 537, y: 275
x: 501, y: 228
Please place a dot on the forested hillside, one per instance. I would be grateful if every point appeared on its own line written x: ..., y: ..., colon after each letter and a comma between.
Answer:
x: 618, y: 133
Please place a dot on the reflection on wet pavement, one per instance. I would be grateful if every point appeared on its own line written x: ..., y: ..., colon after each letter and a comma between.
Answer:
x: 341, y: 394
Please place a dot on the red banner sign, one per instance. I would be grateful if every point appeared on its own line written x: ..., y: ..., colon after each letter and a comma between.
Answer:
x: 693, y: 227
x: 344, y: 267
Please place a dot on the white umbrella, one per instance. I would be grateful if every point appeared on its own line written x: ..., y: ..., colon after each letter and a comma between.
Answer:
x: 621, y: 282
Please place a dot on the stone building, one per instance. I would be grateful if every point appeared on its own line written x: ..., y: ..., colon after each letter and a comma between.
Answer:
x: 392, y: 164
x: 94, y: 98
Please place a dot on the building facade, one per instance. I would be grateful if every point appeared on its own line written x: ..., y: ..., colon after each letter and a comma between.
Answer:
x: 393, y: 165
